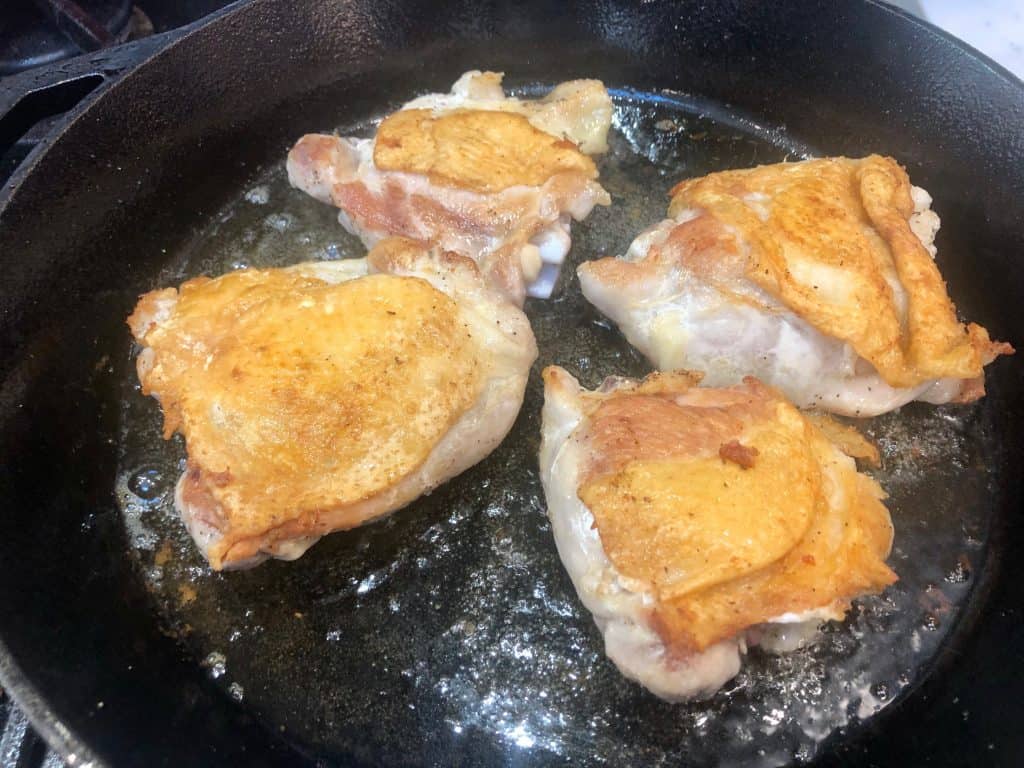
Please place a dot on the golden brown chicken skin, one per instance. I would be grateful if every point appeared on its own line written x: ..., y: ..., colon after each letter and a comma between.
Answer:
x: 717, y: 511
x: 316, y: 397
x: 491, y: 177
x: 816, y: 276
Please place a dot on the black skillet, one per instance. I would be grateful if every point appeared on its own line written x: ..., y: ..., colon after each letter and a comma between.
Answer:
x: 450, y: 634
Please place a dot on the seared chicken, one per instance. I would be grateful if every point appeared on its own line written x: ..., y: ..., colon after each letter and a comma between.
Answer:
x: 817, y: 277
x: 494, y: 178
x: 694, y: 521
x: 321, y: 396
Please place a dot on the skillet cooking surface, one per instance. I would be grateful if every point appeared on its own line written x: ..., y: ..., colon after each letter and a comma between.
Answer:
x: 451, y: 628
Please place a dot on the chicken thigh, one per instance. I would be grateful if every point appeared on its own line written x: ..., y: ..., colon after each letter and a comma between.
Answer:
x: 321, y: 396
x: 694, y: 521
x: 817, y: 277
x: 494, y: 178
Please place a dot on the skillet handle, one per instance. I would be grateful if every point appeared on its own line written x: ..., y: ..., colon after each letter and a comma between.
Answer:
x: 34, y: 105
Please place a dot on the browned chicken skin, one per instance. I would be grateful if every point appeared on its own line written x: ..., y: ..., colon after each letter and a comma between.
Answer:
x: 493, y: 178
x: 816, y: 276
x: 320, y: 396
x: 691, y: 518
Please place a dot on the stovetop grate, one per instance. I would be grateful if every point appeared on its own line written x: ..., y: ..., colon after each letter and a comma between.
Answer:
x: 40, y: 34
x: 20, y: 746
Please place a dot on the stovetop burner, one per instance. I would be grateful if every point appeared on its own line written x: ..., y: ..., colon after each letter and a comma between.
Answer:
x: 38, y: 32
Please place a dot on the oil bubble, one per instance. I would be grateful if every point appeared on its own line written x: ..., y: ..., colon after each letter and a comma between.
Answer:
x: 258, y: 195
x: 147, y: 484
x: 217, y: 663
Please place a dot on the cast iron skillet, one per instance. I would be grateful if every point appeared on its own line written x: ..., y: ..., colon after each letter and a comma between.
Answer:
x: 139, y: 175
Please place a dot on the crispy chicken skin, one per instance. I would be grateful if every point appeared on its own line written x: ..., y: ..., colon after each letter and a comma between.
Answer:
x: 494, y: 178
x: 321, y: 396
x: 818, y: 277
x: 694, y: 521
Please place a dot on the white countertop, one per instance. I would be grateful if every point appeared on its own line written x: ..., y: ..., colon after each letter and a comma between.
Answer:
x: 994, y: 27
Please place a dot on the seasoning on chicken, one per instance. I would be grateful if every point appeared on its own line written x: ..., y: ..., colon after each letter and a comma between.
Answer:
x: 817, y: 277
x: 494, y: 178
x: 321, y: 396
x: 695, y: 521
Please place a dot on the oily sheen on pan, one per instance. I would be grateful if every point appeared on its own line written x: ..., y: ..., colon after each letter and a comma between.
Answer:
x: 817, y: 277
x: 695, y: 521
x: 494, y: 178
x: 318, y: 397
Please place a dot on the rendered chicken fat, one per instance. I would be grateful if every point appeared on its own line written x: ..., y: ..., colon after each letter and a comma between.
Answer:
x: 494, y: 178
x: 695, y: 521
x: 320, y: 396
x: 816, y: 277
